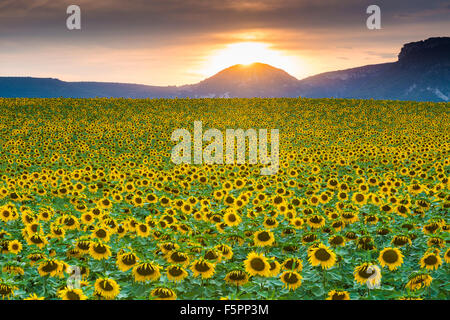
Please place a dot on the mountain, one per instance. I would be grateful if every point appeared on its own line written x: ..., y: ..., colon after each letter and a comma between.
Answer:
x: 422, y: 73
x: 254, y: 80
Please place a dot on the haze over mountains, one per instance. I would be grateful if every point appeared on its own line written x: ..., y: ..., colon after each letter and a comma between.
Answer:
x: 422, y: 73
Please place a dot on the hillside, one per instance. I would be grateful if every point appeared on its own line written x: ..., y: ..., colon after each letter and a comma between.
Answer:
x: 422, y: 73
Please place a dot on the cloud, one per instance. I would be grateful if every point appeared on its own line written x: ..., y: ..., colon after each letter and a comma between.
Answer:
x: 173, y: 37
x: 179, y: 17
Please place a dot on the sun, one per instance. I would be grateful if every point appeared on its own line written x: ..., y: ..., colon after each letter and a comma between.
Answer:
x: 246, y: 53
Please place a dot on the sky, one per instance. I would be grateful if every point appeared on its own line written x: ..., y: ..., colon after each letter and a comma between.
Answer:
x: 176, y: 42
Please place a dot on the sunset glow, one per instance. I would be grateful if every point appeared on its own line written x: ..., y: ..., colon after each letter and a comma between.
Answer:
x: 247, y: 53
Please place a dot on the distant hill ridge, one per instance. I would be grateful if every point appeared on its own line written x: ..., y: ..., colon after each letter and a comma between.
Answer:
x: 422, y: 73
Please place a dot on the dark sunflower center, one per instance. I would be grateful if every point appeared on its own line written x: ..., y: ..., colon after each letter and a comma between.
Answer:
x: 145, y: 270
x: 430, y: 260
x: 36, y: 240
x: 337, y: 240
x: 322, y: 255
x: 400, y: 241
x: 236, y: 276
x: 178, y: 257
x: 202, y: 267
x: 83, y: 245
x: 338, y: 296
x: 211, y: 255
x: 100, y: 249
x: 50, y: 266
x: 101, y: 233
x: 163, y: 293
x: 363, y: 273
x: 257, y: 264
x: 72, y: 295
x: 129, y: 260
x: 290, y: 278
x: 175, y: 271
x: 390, y: 256
x: 264, y: 236
x: 316, y: 219
x: 106, y: 286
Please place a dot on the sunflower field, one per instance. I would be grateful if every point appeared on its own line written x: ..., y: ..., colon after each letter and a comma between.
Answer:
x: 358, y: 209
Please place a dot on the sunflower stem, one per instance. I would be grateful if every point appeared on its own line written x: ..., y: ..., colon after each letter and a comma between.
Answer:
x: 324, y: 275
x: 45, y: 286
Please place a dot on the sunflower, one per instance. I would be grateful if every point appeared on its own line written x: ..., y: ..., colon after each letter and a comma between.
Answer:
x: 371, y: 219
x: 263, y: 238
x: 14, y: 270
x: 400, y: 240
x: 163, y: 294
x: 447, y: 256
x: 50, y: 267
x: 338, y: 295
x: 83, y: 245
x: 321, y: 255
x: 271, y: 223
x: 231, y: 218
x: 6, y: 290
x: 349, y: 217
x: 419, y: 280
x: 99, y: 251
x: 236, y: 277
x: 167, y: 247
x: 14, y: 246
x: 391, y: 257
x: 39, y: 240
x: 275, y: 267
x: 359, y: 198
x: 106, y: 288
x: 213, y: 255
x: 176, y: 273
x: 367, y: 274
x: 142, y: 230
x: 87, y: 218
x: 35, y: 257
x: 226, y: 250
x: 430, y: 261
x: 336, y: 241
x: 430, y: 228
x: 33, y: 296
x: 257, y: 264
x: 71, y: 294
x: 57, y: 232
x: 297, y: 222
x: 6, y: 214
x: 203, y: 268
x: 309, y: 237
x: 104, y: 203
x: 316, y: 221
x: 436, y: 241
x: 146, y: 271
x: 291, y: 279
x: 366, y: 243
x: 126, y: 261
x: 292, y: 264
x: 101, y: 233
x: 178, y: 257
